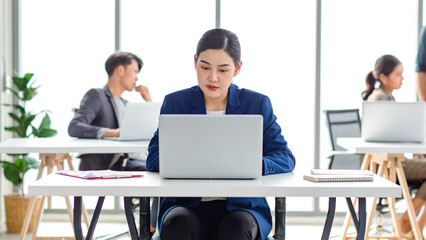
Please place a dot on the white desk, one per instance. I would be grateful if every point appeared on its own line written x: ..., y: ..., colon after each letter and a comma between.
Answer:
x: 68, y: 145
x: 280, y: 185
x: 48, y: 146
x: 391, y: 154
x: 358, y: 145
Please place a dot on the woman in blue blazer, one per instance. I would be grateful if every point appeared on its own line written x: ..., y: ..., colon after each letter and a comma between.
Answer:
x: 217, y: 61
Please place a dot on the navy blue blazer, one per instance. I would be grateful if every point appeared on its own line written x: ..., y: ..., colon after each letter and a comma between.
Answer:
x: 277, y: 157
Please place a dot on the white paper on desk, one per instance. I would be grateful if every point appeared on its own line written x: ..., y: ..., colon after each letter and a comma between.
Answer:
x: 99, y: 174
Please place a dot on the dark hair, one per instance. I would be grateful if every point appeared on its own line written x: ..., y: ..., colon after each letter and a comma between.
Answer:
x: 219, y: 38
x: 121, y: 58
x: 385, y: 64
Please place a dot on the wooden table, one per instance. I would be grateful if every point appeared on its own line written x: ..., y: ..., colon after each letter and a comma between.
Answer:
x: 386, y: 158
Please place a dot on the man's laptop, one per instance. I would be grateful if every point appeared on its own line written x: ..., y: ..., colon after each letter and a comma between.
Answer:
x: 210, y: 146
x: 388, y: 121
x: 140, y: 121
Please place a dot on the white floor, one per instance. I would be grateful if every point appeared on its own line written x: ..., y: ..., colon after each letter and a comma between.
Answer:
x: 62, y: 229
x: 51, y: 229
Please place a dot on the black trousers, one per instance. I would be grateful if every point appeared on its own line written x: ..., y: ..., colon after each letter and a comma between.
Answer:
x: 210, y: 220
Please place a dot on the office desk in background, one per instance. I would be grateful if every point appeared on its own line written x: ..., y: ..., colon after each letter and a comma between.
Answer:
x: 152, y: 185
x: 50, y: 148
x: 389, y: 154
x: 70, y: 145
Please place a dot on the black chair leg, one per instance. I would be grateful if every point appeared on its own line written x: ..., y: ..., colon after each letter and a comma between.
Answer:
x: 280, y: 208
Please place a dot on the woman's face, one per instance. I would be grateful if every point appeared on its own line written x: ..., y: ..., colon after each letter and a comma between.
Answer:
x: 215, y: 70
x: 394, y: 79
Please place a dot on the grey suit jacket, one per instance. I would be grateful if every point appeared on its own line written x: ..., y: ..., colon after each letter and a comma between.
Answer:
x: 97, y: 111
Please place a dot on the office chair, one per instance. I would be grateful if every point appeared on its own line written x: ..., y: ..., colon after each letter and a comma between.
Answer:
x: 347, y: 123
x: 343, y: 123
x: 280, y: 213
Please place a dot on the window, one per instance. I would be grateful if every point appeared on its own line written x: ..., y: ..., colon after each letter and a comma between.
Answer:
x: 66, y: 48
x: 166, y: 40
x: 354, y: 35
x: 279, y: 61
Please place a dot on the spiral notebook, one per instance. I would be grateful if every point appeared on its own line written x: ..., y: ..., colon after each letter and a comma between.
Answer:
x: 339, y: 175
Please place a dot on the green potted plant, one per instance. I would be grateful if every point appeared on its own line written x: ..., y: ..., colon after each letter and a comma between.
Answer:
x: 23, y: 127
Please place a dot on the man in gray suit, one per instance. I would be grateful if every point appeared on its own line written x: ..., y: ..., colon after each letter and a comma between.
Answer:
x: 101, y: 112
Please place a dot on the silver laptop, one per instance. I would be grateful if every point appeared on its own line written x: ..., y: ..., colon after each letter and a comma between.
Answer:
x: 140, y: 121
x: 389, y: 121
x: 210, y: 146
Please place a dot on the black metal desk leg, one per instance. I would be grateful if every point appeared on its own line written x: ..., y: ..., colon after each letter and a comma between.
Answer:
x: 362, y: 213
x: 353, y: 213
x: 130, y: 218
x: 95, y: 218
x: 78, y: 233
x: 280, y: 209
x: 144, y: 216
x: 330, y: 217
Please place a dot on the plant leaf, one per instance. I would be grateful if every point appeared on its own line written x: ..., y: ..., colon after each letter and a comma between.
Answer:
x: 20, y: 108
x: 28, y: 77
x: 14, y: 93
x: 29, y: 93
x: 45, y: 122
x: 32, y: 163
x: 20, y: 164
x: 12, y: 175
x: 28, y: 119
x: 35, y: 131
x: 11, y: 172
x: 47, y: 133
x: 16, y: 118
x: 44, y: 129
x: 18, y: 130
x: 20, y: 83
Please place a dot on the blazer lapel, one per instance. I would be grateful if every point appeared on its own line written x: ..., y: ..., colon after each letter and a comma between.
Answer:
x: 111, y: 101
x: 233, y: 100
x: 198, y: 104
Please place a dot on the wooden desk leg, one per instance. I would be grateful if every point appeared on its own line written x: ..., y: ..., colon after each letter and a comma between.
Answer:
x: 39, y: 216
x: 69, y: 209
x: 27, y: 219
x: 51, y: 162
x: 371, y: 216
x: 410, y: 208
x: 30, y: 209
x: 347, y: 221
x: 392, y: 165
